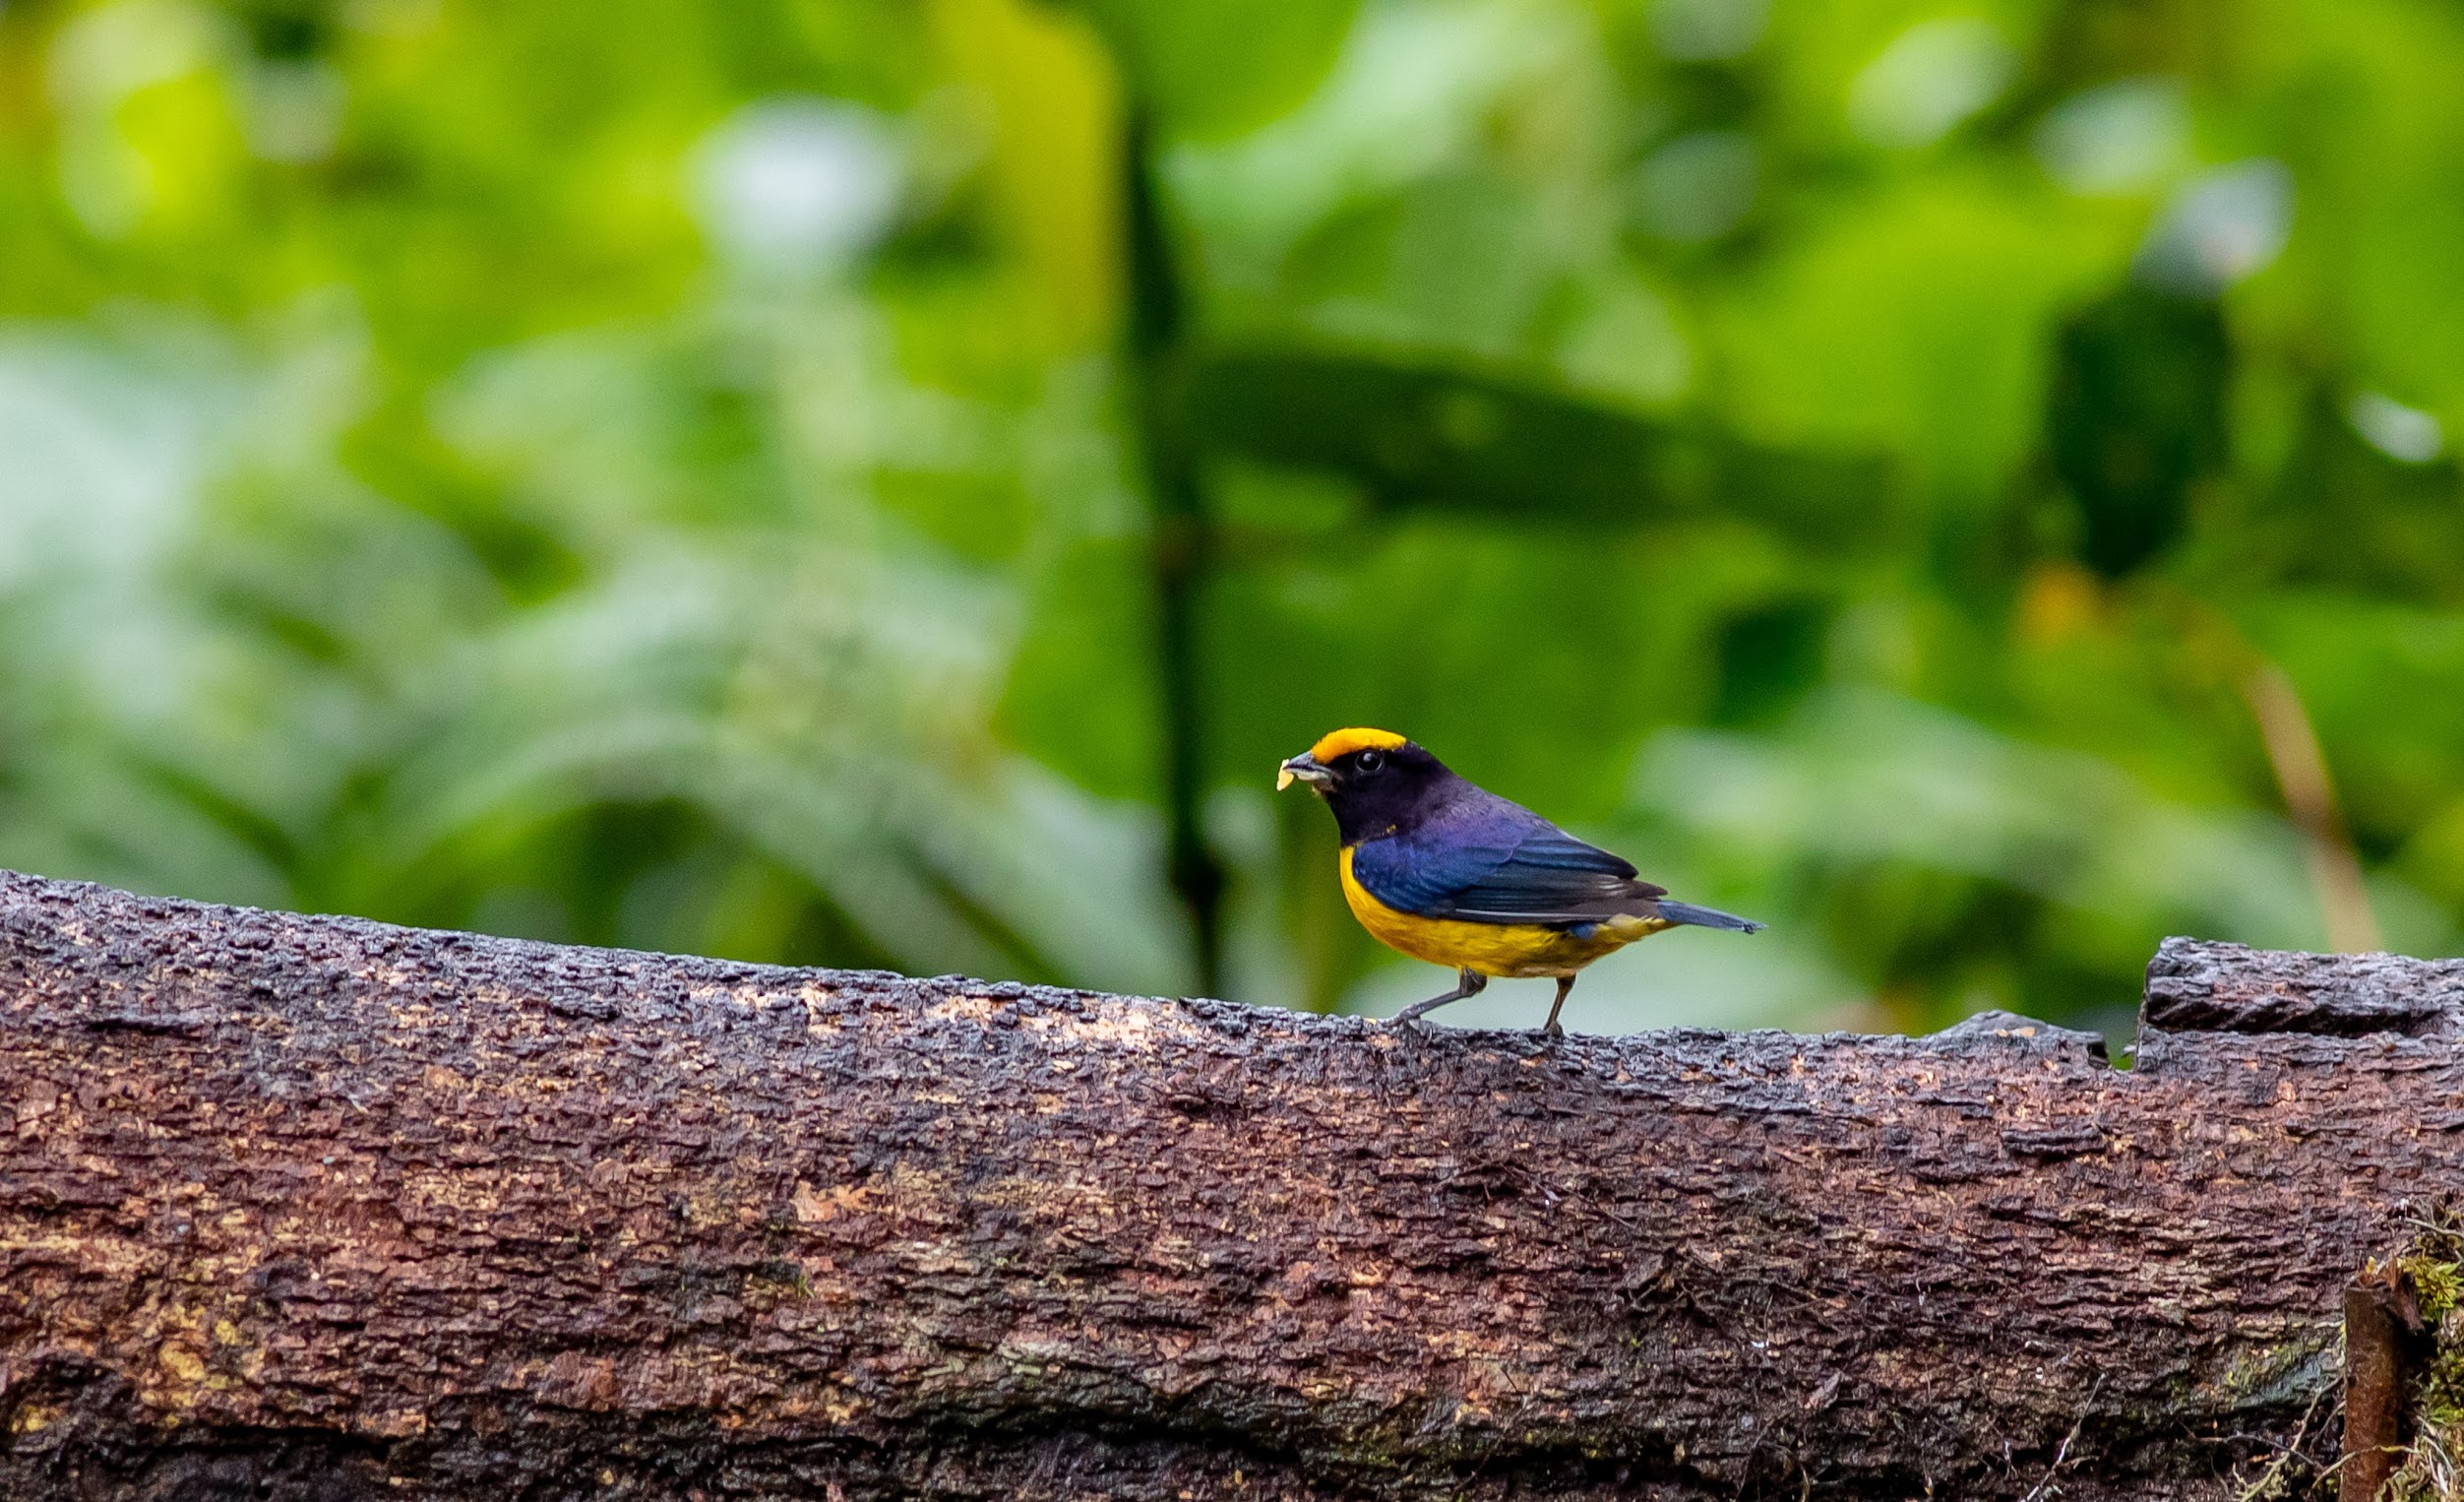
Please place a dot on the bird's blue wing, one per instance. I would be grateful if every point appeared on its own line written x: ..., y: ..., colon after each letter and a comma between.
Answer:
x: 1552, y: 877
x: 1422, y: 871
x: 1497, y: 863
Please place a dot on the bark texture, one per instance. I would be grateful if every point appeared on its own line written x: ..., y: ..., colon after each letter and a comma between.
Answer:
x: 314, y: 1209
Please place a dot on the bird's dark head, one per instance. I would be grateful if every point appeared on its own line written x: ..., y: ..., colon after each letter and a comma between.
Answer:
x: 1376, y: 782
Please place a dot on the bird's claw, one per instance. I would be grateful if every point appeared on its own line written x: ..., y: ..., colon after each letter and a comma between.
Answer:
x: 1553, y: 1031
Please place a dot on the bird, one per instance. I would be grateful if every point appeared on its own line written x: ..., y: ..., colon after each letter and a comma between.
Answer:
x: 1443, y: 870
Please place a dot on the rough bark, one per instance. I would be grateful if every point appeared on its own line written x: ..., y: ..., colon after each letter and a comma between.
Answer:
x: 313, y: 1207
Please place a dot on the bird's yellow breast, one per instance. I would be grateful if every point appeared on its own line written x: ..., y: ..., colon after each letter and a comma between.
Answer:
x: 1508, y: 950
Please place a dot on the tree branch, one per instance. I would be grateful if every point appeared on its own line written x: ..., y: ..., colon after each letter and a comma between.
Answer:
x: 307, y: 1208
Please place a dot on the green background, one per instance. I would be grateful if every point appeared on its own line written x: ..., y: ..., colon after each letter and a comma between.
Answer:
x: 883, y: 483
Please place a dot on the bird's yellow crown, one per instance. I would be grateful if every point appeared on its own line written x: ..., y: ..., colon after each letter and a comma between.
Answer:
x: 1336, y: 743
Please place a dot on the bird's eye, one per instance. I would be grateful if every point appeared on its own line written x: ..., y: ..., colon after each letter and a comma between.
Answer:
x: 1370, y: 761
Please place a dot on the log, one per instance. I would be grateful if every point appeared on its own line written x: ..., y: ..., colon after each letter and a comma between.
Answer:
x: 311, y: 1208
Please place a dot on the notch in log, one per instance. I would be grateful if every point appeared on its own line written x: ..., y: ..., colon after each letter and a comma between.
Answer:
x: 2197, y: 986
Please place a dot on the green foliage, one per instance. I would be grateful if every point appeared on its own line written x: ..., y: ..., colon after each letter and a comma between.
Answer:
x: 1216, y: 67
x: 664, y: 475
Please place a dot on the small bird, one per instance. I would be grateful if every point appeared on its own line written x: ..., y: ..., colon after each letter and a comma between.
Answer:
x: 1450, y: 873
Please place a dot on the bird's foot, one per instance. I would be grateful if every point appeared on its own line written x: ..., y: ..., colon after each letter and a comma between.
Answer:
x: 1553, y: 1031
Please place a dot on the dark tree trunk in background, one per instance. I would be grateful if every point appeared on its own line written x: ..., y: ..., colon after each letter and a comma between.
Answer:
x: 312, y: 1208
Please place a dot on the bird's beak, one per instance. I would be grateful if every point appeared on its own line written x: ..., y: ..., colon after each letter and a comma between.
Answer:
x: 1304, y: 767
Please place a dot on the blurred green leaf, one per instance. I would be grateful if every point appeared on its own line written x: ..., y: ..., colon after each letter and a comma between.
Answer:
x: 1515, y: 453
x: 1175, y: 56
x: 2136, y: 417
x: 2347, y: 515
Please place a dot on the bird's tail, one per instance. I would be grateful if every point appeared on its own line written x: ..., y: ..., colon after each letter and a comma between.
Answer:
x: 1706, y: 917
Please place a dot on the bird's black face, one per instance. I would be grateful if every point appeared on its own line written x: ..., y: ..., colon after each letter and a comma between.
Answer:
x: 1374, y: 790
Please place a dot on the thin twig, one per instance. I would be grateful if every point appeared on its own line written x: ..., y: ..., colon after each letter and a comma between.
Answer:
x: 2301, y: 767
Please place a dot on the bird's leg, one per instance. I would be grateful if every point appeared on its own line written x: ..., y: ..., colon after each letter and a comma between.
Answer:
x: 1469, y: 985
x: 1565, y: 984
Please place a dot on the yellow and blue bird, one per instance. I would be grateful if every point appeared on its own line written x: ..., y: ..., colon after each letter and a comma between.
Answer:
x: 1444, y: 871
